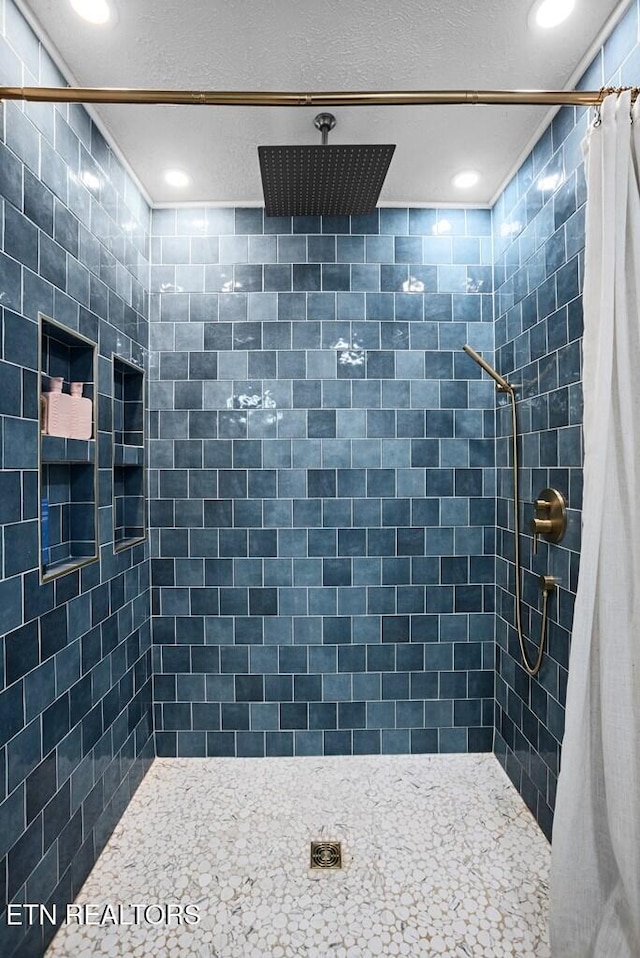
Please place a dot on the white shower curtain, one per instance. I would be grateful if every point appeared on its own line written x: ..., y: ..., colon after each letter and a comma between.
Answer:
x: 595, y: 874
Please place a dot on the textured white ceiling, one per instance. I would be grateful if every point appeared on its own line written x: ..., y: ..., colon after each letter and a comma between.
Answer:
x: 311, y: 45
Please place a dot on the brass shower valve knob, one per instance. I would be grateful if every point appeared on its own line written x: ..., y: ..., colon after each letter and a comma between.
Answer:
x: 550, y: 520
x: 541, y: 527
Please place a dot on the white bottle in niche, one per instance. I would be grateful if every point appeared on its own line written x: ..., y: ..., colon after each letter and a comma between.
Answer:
x: 81, y: 413
x: 56, y: 411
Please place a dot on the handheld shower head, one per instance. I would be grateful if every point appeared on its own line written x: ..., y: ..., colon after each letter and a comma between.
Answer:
x: 501, y: 382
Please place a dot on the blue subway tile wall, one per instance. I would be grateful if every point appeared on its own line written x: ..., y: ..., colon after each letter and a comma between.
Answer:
x: 321, y: 482
x: 75, y: 653
x: 323, y: 477
x: 538, y: 228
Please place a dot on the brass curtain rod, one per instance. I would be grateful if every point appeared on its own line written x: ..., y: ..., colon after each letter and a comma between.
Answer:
x: 249, y: 98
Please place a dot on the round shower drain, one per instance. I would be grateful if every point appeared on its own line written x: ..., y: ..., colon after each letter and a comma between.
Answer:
x: 326, y: 855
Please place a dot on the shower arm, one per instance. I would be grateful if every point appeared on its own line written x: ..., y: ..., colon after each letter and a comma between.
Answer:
x: 501, y: 382
x: 329, y: 98
x: 325, y: 122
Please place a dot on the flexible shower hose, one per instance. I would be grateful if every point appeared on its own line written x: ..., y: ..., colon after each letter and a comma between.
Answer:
x: 534, y: 668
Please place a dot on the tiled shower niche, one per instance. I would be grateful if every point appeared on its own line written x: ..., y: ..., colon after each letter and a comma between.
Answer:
x: 67, y: 496
x: 129, y: 510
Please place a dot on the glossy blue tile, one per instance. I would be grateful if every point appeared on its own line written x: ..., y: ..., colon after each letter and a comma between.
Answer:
x: 235, y: 717
x: 301, y: 510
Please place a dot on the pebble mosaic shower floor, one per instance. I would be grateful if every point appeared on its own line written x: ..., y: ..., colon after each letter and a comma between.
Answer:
x: 440, y: 858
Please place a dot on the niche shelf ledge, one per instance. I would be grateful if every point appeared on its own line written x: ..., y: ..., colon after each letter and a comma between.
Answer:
x: 57, y: 449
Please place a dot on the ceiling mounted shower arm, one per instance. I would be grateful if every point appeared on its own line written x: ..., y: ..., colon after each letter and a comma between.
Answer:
x: 324, y: 122
x: 335, y: 98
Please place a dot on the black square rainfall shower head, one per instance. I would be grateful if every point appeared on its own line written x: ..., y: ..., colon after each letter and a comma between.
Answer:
x: 323, y: 180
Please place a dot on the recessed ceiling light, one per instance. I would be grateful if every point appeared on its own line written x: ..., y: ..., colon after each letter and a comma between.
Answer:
x: 550, y: 13
x: 466, y: 179
x: 95, y: 11
x: 176, y: 178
